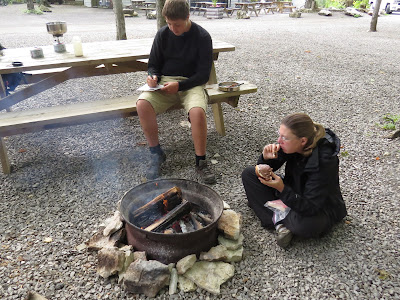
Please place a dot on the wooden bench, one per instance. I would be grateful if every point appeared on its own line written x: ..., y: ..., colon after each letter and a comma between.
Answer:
x: 230, y: 10
x: 290, y: 8
x: 19, y: 122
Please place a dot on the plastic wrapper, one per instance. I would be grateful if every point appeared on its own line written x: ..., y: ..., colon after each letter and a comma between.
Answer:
x: 279, y: 208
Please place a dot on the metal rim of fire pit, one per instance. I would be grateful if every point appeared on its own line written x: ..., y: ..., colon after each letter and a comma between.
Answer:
x: 171, y: 247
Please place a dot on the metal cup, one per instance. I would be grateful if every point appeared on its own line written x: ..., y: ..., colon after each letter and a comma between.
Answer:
x: 37, y: 53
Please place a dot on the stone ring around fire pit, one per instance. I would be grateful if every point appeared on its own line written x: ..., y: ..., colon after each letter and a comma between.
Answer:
x: 169, y: 248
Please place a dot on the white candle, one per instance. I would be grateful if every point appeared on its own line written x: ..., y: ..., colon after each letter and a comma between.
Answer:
x: 76, y: 40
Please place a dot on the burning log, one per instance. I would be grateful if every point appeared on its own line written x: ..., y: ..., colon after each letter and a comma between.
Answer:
x: 178, y: 212
x: 151, y: 211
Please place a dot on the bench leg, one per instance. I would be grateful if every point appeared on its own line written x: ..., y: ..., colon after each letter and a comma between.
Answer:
x: 218, y: 118
x: 5, y: 163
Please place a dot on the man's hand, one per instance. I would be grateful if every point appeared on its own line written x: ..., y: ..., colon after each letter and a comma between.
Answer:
x: 152, y: 81
x: 276, y: 182
x: 170, y: 87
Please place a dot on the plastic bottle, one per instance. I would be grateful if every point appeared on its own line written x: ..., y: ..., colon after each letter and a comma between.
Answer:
x: 76, y: 40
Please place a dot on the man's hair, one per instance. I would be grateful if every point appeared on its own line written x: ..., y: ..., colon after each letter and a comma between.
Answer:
x: 176, y: 9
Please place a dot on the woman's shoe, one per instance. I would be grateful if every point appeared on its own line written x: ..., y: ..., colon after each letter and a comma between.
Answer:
x: 284, y: 236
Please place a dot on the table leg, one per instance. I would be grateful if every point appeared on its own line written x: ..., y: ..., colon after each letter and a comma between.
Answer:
x: 3, y: 92
x: 5, y: 163
x: 216, y: 107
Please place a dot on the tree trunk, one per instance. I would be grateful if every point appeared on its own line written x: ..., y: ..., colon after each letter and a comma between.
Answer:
x: 160, y: 19
x: 119, y: 20
x: 309, y: 4
x: 30, y: 5
x: 375, y: 15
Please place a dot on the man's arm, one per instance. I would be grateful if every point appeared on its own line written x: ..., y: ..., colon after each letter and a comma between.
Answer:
x: 155, y: 58
x: 203, y: 69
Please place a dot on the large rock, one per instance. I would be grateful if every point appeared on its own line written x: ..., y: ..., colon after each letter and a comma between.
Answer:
x: 231, y: 244
x: 185, y: 284
x: 99, y: 241
x: 146, y: 277
x: 216, y: 253
x: 295, y: 14
x: 34, y: 296
x: 234, y: 255
x: 129, y: 258
x: 113, y: 224
x: 173, y: 282
x: 110, y: 261
x: 325, y: 12
x: 185, y: 263
x: 230, y: 223
x: 152, y: 14
x: 351, y: 11
x: 210, y: 275
x: 241, y: 14
x: 139, y: 255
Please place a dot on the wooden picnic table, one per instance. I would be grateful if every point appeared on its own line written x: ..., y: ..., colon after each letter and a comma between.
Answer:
x: 248, y: 7
x: 100, y: 58
x: 203, y: 5
x: 148, y: 6
x: 266, y: 6
x: 137, y: 3
x: 281, y: 5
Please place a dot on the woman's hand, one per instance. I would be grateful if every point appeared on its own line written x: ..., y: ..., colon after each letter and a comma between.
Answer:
x: 270, y: 151
x: 276, y: 182
x: 152, y: 81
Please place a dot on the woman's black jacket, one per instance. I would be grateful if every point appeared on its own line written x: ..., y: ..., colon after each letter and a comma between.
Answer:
x: 312, y: 183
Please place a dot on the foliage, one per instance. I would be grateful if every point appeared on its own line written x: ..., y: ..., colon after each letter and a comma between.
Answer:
x: 340, y: 4
x: 331, y: 3
x: 361, y: 4
x: 214, y: 2
x: 344, y: 154
x: 33, y: 11
x: 390, y: 121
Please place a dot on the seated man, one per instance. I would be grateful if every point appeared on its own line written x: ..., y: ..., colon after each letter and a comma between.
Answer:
x: 180, y: 60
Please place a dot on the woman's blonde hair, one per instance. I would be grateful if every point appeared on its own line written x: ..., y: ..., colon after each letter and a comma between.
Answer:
x: 301, y: 125
x: 176, y: 9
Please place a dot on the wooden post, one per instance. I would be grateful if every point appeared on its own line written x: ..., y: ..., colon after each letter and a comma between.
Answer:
x: 5, y: 163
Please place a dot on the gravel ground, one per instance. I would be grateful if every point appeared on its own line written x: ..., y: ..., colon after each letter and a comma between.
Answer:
x: 66, y: 181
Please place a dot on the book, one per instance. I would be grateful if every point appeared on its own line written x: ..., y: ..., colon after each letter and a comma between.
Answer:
x: 146, y: 88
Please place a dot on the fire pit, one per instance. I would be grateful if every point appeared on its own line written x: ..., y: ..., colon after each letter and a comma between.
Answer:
x: 168, y: 248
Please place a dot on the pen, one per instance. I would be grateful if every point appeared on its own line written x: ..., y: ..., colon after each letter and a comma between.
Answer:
x: 151, y: 75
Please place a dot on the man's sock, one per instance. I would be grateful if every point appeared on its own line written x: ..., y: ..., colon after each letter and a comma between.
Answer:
x: 156, y: 150
x: 198, y: 158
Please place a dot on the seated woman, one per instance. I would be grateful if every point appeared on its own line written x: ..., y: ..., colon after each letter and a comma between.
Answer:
x: 310, y: 187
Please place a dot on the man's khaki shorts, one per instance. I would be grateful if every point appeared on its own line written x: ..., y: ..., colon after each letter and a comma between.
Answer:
x: 194, y: 97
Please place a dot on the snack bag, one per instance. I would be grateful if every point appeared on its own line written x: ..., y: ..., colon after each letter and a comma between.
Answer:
x: 279, y: 208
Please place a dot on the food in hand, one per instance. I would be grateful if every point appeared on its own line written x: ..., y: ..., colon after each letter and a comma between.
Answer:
x: 264, y: 171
